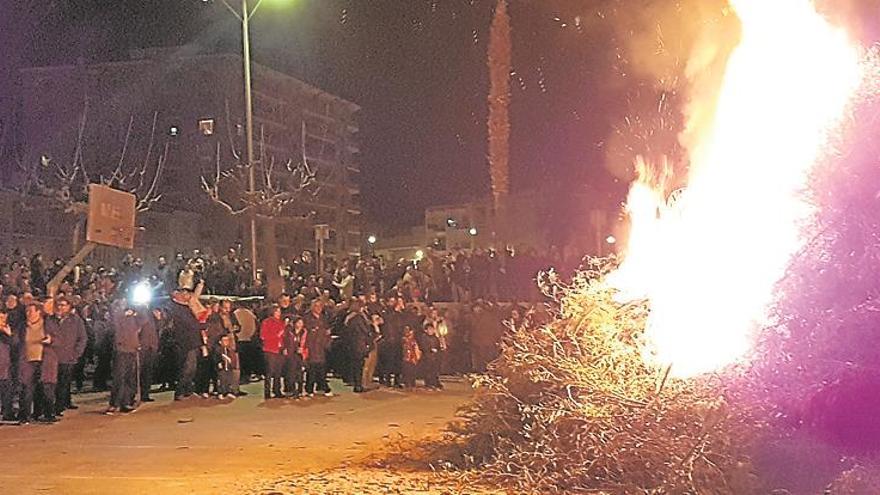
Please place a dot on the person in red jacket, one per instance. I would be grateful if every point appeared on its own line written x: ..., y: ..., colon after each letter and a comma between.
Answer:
x: 272, y: 334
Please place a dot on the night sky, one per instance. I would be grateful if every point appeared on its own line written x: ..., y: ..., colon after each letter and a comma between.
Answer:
x: 418, y: 69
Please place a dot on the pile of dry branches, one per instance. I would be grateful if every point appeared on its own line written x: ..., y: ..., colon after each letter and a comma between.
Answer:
x: 571, y: 406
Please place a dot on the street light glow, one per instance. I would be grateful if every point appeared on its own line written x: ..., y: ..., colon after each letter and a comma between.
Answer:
x: 420, y: 255
x: 372, y: 239
x: 611, y: 239
x: 142, y: 294
x: 472, y: 231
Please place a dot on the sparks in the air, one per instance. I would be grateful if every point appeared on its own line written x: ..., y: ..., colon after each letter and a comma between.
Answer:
x: 708, y: 261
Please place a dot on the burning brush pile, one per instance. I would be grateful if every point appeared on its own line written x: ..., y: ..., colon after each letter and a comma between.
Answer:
x: 571, y: 407
x: 742, y: 316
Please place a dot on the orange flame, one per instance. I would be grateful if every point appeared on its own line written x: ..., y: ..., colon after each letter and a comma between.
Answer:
x: 708, y: 262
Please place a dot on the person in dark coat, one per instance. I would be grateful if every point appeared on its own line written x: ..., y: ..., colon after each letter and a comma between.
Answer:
x: 429, y: 343
x: 390, y: 347
x: 7, y: 337
x: 187, y: 338
x: 38, y: 274
x: 486, y: 332
x: 126, y: 343
x: 358, y: 330
x: 376, y: 323
x: 227, y: 367
x: 103, y: 349
x: 412, y: 355
x: 167, y: 361
x: 17, y: 322
x: 86, y: 312
x: 70, y: 344
x: 294, y: 343
x: 317, y: 343
x: 149, y: 349
x: 206, y: 371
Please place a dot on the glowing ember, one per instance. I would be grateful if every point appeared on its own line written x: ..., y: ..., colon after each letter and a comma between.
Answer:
x: 709, y: 261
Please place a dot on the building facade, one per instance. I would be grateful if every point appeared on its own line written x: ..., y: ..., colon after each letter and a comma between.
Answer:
x: 526, y: 221
x: 189, y: 108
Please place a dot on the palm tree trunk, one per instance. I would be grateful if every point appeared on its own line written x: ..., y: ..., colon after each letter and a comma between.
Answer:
x: 499, y: 62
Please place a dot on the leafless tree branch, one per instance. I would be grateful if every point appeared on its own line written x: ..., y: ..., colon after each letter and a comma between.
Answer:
x: 67, y: 183
x: 277, y: 188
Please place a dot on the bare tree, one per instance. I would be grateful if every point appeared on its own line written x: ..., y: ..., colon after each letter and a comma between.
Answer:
x: 66, y: 184
x: 279, y: 187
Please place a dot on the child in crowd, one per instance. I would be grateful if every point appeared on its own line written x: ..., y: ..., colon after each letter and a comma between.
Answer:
x: 411, y: 357
x: 227, y: 366
x: 431, y: 350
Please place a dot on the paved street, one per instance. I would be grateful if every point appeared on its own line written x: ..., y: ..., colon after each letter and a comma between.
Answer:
x: 209, y: 446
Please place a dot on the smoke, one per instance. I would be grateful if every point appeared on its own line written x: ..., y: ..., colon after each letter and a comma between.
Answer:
x: 861, y: 17
x: 671, y: 59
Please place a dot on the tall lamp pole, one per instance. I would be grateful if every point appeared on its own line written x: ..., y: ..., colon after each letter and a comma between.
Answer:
x: 245, y: 17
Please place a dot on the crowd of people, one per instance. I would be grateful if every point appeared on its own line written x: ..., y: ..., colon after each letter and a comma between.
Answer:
x: 367, y: 324
x: 456, y: 276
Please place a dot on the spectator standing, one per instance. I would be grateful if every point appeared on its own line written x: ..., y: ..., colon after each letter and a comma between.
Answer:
x: 227, y: 367
x: 412, y: 355
x: 166, y: 359
x: 317, y: 343
x: 7, y: 338
x: 390, y: 357
x: 372, y: 360
x: 149, y: 349
x: 272, y: 334
x: 345, y: 285
x: 126, y: 344
x: 431, y: 354
x: 187, y: 339
x: 38, y: 273
x: 39, y: 368
x: 294, y: 348
x: 70, y: 344
x: 249, y: 352
x: 288, y: 310
x: 103, y: 349
x: 232, y: 328
x: 487, y: 330
x: 359, y: 331
x: 17, y: 322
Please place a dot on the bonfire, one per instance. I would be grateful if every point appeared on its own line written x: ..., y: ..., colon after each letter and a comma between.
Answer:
x: 663, y: 371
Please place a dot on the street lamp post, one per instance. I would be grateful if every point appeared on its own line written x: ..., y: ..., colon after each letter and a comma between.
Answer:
x: 249, y: 124
x: 245, y: 17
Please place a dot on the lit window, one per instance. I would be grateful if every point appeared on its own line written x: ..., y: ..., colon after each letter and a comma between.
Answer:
x: 174, y: 131
x: 206, y: 127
